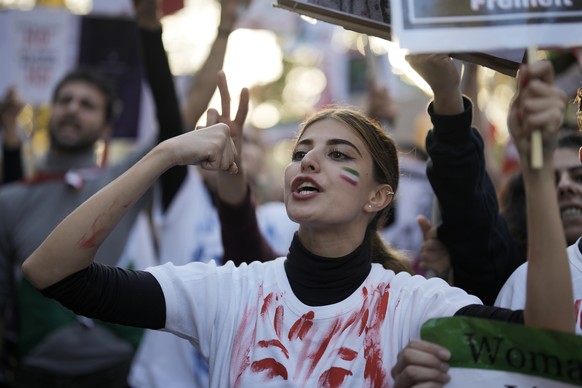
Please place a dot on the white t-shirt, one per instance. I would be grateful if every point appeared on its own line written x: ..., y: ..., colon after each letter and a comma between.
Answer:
x: 253, y: 330
x: 512, y: 295
x: 189, y: 230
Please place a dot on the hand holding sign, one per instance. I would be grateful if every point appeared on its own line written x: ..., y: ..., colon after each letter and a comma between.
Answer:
x: 538, y: 107
x: 536, y: 136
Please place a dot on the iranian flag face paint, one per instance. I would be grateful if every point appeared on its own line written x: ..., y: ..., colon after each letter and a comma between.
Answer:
x: 350, y: 175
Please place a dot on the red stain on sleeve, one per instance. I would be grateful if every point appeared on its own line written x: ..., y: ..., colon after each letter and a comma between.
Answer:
x: 333, y: 377
x: 271, y: 367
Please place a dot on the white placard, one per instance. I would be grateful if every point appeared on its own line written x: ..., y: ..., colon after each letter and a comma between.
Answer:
x: 480, y: 25
x: 38, y: 48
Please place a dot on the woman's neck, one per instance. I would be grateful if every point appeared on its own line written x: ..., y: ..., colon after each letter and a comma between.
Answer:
x: 328, y: 242
x: 317, y: 280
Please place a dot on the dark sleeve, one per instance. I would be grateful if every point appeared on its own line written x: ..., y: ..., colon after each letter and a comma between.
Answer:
x: 12, y: 165
x: 112, y: 294
x: 241, y: 236
x: 161, y: 82
x: 483, y: 253
x: 491, y: 312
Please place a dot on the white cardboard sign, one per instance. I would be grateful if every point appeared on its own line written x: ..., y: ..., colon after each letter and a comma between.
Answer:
x: 480, y: 25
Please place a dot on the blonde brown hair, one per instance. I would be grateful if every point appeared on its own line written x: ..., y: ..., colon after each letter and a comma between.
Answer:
x: 385, y: 170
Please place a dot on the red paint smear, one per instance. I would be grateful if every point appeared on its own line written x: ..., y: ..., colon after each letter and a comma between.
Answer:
x: 275, y: 343
x: 266, y: 302
x: 353, y: 318
x: 241, y: 350
x: 278, y: 320
x: 361, y: 316
x: 364, y: 322
x: 382, y: 308
x: 347, y: 354
x: 272, y: 367
x: 96, y: 234
x: 578, y: 313
x: 333, y: 377
x: 244, y: 339
x: 373, y: 371
x: 301, y: 326
x: 325, y: 343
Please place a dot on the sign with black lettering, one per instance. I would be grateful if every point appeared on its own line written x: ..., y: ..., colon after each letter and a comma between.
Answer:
x: 455, y: 25
x: 372, y: 17
x: 501, y: 354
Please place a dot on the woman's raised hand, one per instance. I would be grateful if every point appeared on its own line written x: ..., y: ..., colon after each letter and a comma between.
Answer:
x: 211, y: 147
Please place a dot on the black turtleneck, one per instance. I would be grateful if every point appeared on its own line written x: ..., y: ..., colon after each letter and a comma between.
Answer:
x: 318, y: 281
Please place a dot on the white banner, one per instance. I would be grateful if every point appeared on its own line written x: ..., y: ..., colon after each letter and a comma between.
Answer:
x: 488, y: 353
x: 38, y: 47
x: 482, y: 25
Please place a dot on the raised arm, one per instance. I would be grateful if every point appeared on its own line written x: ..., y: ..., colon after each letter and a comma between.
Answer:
x: 241, y: 237
x: 539, y: 105
x: 161, y: 82
x: 481, y: 248
x: 72, y: 245
x: 204, y: 82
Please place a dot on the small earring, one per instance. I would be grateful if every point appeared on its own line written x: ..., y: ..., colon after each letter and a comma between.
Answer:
x: 390, y: 193
x: 370, y: 206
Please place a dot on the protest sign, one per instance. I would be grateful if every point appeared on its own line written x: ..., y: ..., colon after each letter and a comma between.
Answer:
x: 492, y: 353
x: 37, y: 51
x: 453, y: 25
x: 111, y: 47
x: 356, y: 16
x: 38, y: 47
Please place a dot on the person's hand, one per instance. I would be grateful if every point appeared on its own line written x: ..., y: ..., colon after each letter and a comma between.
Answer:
x: 148, y: 13
x: 434, y: 255
x: 537, y: 105
x: 10, y: 107
x: 441, y: 74
x: 230, y: 12
x: 421, y: 364
x: 211, y: 147
x: 236, y: 125
x: 438, y: 70
x: 380, y: 104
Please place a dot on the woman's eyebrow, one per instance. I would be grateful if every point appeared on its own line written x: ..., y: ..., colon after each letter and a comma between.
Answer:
x: 342, y: 141
x: 309, y: 142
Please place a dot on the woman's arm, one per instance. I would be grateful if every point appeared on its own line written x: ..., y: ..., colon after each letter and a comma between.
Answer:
x: 72, y: 245
x: 539, y: 105
x: 481, y: 249
x: 241, y: 237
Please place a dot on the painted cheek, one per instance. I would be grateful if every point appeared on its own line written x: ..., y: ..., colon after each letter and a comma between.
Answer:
x: 350, y: 176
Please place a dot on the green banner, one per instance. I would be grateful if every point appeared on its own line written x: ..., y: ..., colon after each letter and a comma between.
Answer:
x: 497, y: 346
